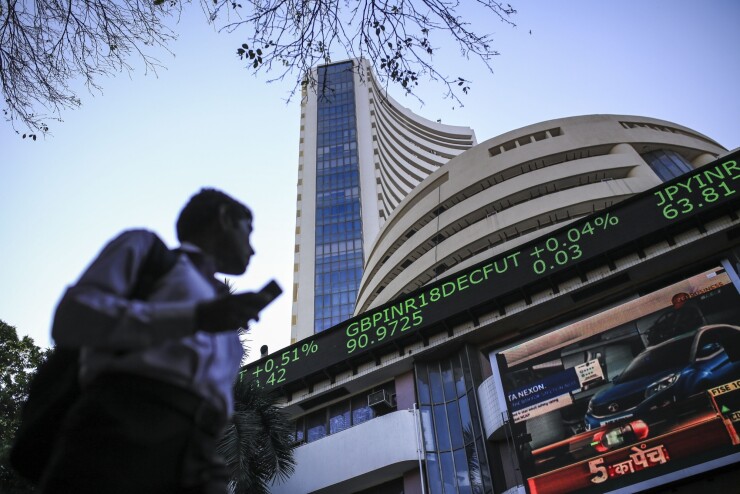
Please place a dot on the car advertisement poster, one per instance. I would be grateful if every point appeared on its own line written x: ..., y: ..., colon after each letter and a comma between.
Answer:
x: 643, y: 389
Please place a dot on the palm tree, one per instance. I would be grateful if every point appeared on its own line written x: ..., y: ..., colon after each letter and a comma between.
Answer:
x: 258, y: 444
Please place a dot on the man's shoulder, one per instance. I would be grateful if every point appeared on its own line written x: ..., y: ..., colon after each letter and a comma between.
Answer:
x: 137, y: 238
x: 137, y: 234
x: 134, y: 244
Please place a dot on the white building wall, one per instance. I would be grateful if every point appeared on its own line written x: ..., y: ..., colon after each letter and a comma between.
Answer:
x: 509, y: 187
x: 305, y: 235
x: 492, y: 404
x: 368, y: 454
x: 368, y: 186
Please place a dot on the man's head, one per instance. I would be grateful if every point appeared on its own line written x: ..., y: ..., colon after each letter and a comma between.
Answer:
x: 220, y: 226
x: 679, y: 300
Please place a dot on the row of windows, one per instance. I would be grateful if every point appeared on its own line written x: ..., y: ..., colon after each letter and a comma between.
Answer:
x: 339, y: 85
x: 340, y: 212
x: 332, y: 83
x: 330, y: 197
x: 337, y: 224
x: 328, y: 267
x: 329, y: 252
x: 336, y: 136
x: 348, y: 161
x: 346, y: 194
x: 340, y: 298
x: 333, y: 86
x: 324, y: 323
x: 339, y: 122
x: 334, y: 230
x: 665, y: 128
x: 336, y: 94
x: 338, y: 237
x: 338, y: 68
x: 342, y: 311
x: 339, y: 197
x: 330, y: 227
x: 332, y: 188
x: 339, y: 95
x: 335, y: 74
x: 337, y: 281
x: 335, y: 80
x: 337, y: 181
x: 344, y: 172
x: 524, y: 140
x: 336, y: 151
x: 334, y: 110
x: 337, y: 417
x: 348, y: 258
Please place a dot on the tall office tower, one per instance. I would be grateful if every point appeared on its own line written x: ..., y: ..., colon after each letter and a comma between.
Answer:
x: 361, y: 154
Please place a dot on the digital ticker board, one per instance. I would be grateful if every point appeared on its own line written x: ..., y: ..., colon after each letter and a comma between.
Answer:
x: 708, y: 188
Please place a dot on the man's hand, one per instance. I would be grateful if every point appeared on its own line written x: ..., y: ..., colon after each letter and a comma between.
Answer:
x: 229, y: 312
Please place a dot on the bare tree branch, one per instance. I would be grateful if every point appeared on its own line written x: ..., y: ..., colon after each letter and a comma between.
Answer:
x: 292, y: 36
x: 48, y: 45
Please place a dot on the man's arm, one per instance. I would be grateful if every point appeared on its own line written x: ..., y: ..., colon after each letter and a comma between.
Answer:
x: 97, y: 311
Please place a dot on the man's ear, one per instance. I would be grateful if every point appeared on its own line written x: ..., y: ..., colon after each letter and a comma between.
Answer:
x: 225, y: 221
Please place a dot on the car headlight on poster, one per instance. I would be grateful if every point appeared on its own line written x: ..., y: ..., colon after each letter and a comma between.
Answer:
x: 662, y: 384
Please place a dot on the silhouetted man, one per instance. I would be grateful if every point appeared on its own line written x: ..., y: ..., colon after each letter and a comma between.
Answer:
x: 159, y: 352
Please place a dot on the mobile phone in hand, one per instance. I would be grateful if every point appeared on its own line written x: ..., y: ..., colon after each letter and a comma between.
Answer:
x: 270, y: 292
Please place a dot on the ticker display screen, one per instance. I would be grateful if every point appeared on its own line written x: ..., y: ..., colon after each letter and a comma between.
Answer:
x: 634, y: 392
x: 710, y: 187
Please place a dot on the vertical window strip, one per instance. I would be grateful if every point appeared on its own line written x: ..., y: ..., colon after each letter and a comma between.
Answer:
x: 338, y: 226
x: 452, y: 434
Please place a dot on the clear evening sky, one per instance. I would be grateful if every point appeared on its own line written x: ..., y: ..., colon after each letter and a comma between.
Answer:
x: 132, y: 156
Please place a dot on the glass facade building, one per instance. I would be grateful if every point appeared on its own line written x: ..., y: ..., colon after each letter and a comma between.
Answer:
x: 456, y: 459
x: 338, y: 206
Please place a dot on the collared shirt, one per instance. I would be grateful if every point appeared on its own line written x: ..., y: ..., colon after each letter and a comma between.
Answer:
x: 155, y: 338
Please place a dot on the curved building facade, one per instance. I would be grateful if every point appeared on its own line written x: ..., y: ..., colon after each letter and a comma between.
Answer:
x: 361, y: 153
x: 520, y: 185
x: 460, y: 373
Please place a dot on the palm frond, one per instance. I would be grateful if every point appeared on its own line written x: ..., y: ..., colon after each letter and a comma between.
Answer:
x: 258, y: 444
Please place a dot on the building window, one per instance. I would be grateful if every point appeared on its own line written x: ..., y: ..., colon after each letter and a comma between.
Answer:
x: 341, y: 415
x: 316, y: 425
x: 667, y: 164
x: 456, y: 460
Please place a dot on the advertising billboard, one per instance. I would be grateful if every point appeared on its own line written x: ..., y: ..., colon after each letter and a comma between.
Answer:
x: 640, y: 390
